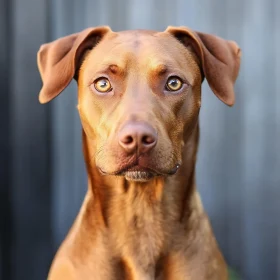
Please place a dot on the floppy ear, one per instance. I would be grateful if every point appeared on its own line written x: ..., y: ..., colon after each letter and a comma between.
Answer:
x: 220, y: 60
x: 59, y: 60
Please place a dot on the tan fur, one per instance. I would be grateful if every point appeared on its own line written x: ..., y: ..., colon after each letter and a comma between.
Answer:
x: 156, y: 228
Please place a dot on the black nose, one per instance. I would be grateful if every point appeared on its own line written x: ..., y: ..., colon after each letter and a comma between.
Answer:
x: 140, y: 136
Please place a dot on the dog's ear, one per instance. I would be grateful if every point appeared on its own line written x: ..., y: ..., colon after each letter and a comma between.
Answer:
x: 220, y: 60
x: 59, y: 60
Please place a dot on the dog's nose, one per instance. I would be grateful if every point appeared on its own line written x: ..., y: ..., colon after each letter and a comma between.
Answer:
x: 137, y: 136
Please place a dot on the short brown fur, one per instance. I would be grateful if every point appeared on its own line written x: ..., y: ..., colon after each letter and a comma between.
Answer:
x: 152, y: 226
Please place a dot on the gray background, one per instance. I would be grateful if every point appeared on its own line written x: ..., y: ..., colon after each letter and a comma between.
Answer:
x: 42, y: 172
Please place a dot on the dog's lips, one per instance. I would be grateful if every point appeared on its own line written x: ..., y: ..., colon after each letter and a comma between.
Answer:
x: 137, y: 173
x: 137, y: 167
x: 140, y: 173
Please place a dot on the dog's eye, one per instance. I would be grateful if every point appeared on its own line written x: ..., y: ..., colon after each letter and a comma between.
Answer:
x: 102, y: 85
x: 173, y: 84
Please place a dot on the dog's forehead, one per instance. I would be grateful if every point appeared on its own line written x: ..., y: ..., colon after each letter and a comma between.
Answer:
x: 140, y: 46
x: 137, y: 32
x: 140, y: 51
x: 138, y: 40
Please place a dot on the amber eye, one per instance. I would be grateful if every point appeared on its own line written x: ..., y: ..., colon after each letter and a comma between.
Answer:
x: 102, y: 85
x: 174, y: 84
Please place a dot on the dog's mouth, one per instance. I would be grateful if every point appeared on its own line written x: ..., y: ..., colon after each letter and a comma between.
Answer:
x: 138, y: 173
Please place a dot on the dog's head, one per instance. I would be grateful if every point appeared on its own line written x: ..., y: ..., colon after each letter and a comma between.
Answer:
x: 139, y: 91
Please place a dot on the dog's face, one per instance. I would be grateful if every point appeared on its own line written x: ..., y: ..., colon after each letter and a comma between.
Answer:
x: 146, y: 83
x: 139, y: 96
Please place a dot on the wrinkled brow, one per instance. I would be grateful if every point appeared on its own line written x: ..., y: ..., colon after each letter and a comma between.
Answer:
x: 163, y: 68
x: 111, y: 68
x: 160, y: 69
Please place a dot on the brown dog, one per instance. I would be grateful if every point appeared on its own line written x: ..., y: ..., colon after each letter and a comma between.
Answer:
x: 139, y: 100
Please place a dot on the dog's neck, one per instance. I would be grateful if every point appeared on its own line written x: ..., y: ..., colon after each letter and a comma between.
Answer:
x: 134, y: 212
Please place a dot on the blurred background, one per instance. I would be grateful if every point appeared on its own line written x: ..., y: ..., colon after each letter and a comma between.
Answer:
x: 42, y: 174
